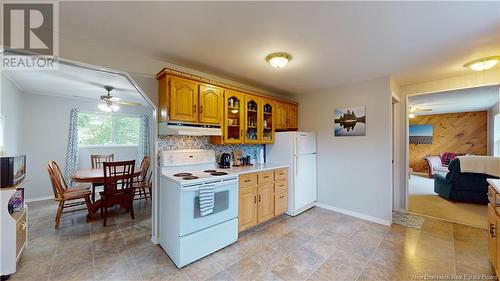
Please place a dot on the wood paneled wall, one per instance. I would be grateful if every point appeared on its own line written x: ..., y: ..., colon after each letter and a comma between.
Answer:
x: 455, y: 132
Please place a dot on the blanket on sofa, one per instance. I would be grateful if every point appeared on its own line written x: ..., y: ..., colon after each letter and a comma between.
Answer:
x: 480, y: 164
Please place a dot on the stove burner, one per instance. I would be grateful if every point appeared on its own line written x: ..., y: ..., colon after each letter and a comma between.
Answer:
x: 218, y: 173
x: 190, y: 178
x: 209, y: 171
x: 182, y: 175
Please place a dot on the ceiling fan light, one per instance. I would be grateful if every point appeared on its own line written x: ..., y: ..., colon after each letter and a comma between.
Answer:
x: 278, y: 60
x: 483, y: 64
x: 104, y: 107
x: 115, y: 107
x: 411, y: 115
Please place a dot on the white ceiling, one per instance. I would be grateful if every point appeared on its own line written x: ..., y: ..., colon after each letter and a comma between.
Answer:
x: 71, y: 81
x: 332, y: 43
x: 468, y: 100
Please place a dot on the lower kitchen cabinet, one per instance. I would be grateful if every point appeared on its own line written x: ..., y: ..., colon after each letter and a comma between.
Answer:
x: 247, y: 208
x: 280, y: 202
x: 263, y: 196
x: 265, y: 202
x: 493, y: 223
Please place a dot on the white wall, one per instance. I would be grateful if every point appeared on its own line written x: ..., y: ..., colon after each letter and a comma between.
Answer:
x: 11, y: 109
x: 45, y: 137
x: 354, y: 174
x: 492, y: 112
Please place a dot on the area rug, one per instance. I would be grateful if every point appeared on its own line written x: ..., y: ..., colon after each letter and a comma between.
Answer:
x: 408, y: 220
x: 423, y: 200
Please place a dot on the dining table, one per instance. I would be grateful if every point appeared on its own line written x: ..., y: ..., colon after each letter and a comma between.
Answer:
x: 95, y: 176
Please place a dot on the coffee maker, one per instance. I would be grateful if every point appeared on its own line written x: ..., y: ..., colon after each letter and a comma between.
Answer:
x: 225, y: 161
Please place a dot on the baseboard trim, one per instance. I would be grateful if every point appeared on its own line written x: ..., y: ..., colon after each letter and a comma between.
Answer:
x: 39, y: 198
x: 154, y: 239
x: 354, y: 214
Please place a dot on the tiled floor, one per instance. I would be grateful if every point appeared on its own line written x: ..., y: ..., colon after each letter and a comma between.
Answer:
x: 316, y: 245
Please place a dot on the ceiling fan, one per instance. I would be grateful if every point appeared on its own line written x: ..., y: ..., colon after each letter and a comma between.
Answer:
x: 112, y: 103
x: 415, y: 109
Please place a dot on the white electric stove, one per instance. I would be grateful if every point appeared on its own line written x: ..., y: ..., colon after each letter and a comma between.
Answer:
x: 185, y: 235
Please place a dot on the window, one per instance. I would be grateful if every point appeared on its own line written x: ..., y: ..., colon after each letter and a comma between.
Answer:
x: 106, y: 129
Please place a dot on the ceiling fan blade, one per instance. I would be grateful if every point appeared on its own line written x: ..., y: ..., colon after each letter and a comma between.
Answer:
x: 114, y: 99
x: 84, y: 98
x: 129, y: 103
x: 423, y: 109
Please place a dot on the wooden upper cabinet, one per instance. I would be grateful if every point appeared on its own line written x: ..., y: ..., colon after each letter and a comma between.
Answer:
x: 268, y: 120
x: 292, y: 112
x: 183, y: 99
x: 233, y: 117
x: 163, y: 99
x: 281, y: 115
x: 253, y: 119
x: 211, y: 109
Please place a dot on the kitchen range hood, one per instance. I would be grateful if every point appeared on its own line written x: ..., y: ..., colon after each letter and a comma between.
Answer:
x: 179, y: 129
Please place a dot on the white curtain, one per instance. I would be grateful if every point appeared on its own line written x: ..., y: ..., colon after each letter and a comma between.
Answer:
x: 144, y: 146
x: 72, y: 153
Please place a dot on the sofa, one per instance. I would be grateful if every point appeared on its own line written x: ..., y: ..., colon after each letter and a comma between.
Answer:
x: 439, y: 164
x: 462, y: 187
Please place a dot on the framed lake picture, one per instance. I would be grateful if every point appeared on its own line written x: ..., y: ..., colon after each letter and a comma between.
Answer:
x: 350, y: 121
x: 420, y: 134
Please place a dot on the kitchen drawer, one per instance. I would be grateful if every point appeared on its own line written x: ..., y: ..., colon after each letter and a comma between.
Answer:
x: 266, y: 177
x: 281, y: 185
x: 247, y: 180
x: 281, y: 174
x: 280, y: 202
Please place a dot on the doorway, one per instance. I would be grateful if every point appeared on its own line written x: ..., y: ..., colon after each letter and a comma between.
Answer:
x: 441, y: 127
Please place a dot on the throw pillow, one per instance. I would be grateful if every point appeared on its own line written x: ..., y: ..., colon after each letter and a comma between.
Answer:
x: 447, y: 157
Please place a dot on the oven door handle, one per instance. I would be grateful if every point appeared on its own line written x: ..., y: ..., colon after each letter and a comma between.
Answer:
x: 216, y: 185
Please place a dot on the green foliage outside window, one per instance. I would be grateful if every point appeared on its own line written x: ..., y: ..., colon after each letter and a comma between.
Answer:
x: 105, y: 129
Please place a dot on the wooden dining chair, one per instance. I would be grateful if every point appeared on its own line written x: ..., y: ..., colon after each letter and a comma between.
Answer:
x: 67, y: 197
x: 118, y: 187
x: 97, y: 162
x: 143, y: 181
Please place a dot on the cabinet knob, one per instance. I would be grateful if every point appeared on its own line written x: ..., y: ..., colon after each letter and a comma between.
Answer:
x: 260, y: 198
x: 255, y: 199
x: 194, y: 108
x: 201, y: 108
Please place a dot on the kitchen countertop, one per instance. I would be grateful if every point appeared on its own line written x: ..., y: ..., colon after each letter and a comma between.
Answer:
x: 495, y: 183
x: 254, y: 168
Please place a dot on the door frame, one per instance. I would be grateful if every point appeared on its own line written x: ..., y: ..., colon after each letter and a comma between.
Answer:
x: 154, y: 131
x: 407, y: 129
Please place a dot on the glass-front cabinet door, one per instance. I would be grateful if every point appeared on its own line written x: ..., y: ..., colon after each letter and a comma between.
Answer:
x: 268, y: 121
x: 252, y: 119
x: 234, y: 117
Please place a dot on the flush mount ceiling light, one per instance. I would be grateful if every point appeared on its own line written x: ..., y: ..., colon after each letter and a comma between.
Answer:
x: 483, y: 63
x: 278, y: 60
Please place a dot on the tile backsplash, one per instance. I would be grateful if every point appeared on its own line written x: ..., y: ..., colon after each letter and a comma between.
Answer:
x: 203, y: 142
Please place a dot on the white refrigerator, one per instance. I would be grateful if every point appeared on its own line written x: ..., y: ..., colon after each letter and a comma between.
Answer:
x: 298, y: 150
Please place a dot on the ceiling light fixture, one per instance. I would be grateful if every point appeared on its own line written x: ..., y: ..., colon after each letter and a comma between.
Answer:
x: 278, y: 60
x: 108, y: 107
x: 483, y: 63
x: 411, y: 115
